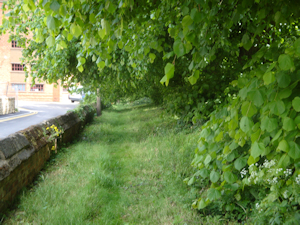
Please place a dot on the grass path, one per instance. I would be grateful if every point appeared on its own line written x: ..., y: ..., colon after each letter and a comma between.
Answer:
x: 126, y: 168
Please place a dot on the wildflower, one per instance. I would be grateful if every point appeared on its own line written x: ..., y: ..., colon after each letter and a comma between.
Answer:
x: 285, y: 194
x: 278, y: 170
x: 243, y: 172
x: 269, y: 164
x: 257, y: 205
x: 298, y: 179
x: 288, y: 172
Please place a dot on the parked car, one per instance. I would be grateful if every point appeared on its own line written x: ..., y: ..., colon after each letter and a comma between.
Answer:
x: 76, y: 94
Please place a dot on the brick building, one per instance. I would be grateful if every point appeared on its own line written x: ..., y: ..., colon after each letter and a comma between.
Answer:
x: 12, y: 75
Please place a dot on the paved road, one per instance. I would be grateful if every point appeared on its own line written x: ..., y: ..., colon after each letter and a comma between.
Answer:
x: 31, y: 113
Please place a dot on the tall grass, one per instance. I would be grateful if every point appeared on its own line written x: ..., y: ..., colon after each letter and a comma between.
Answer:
x: 126, y: 168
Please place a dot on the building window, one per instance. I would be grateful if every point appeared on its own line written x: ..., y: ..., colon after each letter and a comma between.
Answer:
x: 18, y: 87
x: 17, y: 67
x: 14, y: 44
x: 37, y: 87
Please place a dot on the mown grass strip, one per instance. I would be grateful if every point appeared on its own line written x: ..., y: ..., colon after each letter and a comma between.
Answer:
x: 126, y: 168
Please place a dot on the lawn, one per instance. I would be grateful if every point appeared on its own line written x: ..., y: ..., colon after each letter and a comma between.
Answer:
x: 127, y: 167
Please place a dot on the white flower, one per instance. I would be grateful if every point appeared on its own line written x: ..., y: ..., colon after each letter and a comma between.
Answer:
x: 285, y: 194
x: 257, y: 205
x: 269, y: 164
x: 243, y: 172
x: 298, y: 179
x: 288, y: 172
x: 278, y: 170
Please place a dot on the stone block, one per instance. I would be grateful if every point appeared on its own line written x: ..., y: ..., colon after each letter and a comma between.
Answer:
x: 13, y: 144
x: 4, y: 169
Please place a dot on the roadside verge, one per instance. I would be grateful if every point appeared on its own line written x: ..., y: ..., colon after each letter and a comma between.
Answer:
x: 23, y: 154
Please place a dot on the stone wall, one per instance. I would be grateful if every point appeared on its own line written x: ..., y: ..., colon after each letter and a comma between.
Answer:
x: 23, y: 154
x: 7, y: 105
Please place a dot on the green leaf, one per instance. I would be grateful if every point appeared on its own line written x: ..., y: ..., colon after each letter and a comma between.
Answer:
x: 202, y: 204
x: 257, y: 149
x: 92, y: 18
x: 26, y: 7
x: 186, y: 22
x: 277, y: 135
x: 255, y: 136
x: 284, y: 161
x: 50, y: 41
x: 63, y: 44
x: 80, y: 68
x: 297, y: 121
x: 283, y: 79
x: 70, y: 37
x: 164, y: 80
x: 204, y: 172
x: 101, y: 64
x: 110, y: 7
x: 128, y: 48
x: 240, y: 163
x: 54, y: 5
x: 248, y: 109
x: 169, y: 70
x: 63, y: 10
x: 51, y: 23
x: 219, y: 137
x: 207, y: 160
x: 271, y: 67
x: 252, y: 160
x: 246, y: 41
x: 75, y: 30
x: 288, y: 124
x: 268, y: 124
x: 213, y: 194
x: 152, y: 56
x: 178, y: 48
x: 191, y: 181
x: 214, y: 176
x: 230, y: 177
x: 82, y: 60
x: 294, y: 151
x: 285, y: 62
x: 256, y: 97
x: 269, y: 78
x: 106, y: 26
x: 102, y: 33
x: 196, y: 16
x: 285, y: 93
x: 193, y: 79
x: 277, y: 107
x: 283, y: 146
x: 120, y: 44
x: 296, y: 104
x: 246, y: 124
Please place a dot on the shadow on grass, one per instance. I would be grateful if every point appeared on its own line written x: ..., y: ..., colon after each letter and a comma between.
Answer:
x: 129, y: 108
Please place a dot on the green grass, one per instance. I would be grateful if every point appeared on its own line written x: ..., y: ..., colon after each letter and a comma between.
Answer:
x: 127, y: 168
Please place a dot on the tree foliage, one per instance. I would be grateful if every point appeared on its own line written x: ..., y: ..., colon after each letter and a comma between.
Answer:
x: 235, y: 59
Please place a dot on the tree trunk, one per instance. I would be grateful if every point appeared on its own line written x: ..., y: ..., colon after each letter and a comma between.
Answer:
x: 98, y: 103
